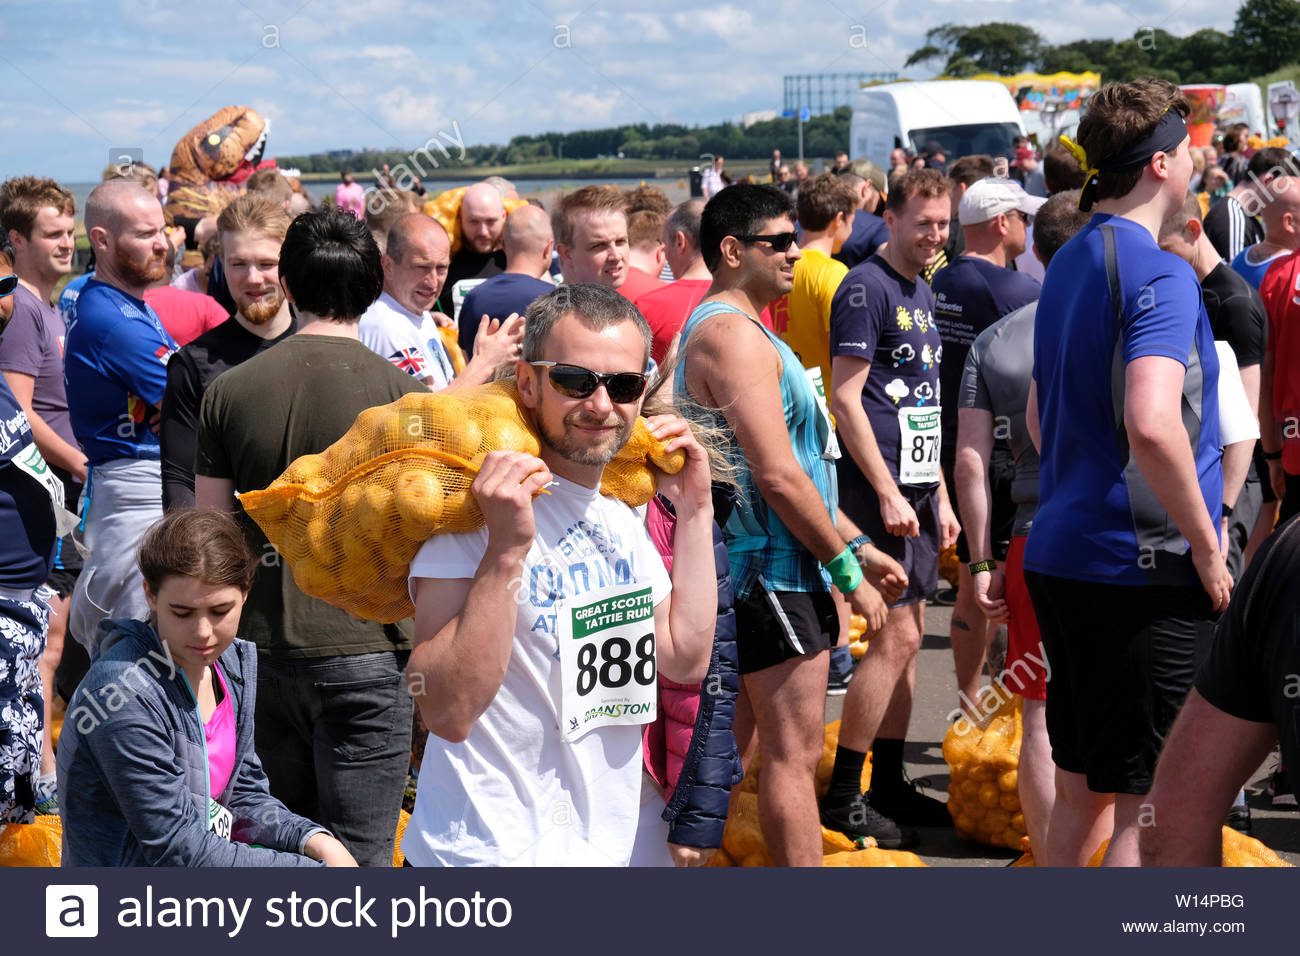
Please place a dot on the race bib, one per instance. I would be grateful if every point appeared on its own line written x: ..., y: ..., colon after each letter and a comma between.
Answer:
x: 607, y: 660
x: 30, y: 461
x: 831, y: 451
x: 918, y: 445
x: 220, y: 821
x: 458, y: 293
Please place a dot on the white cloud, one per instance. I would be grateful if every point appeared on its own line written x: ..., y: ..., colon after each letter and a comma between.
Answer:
x: 350, y: 75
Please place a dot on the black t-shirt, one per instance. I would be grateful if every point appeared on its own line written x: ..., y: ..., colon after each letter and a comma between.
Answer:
x: 1230, y: 229
x: 189, y: 373
x: 468, y: 264
x: 1252, y: 667
x: 969, y: 296
x: 1237, y: 314
x: 294, y: 399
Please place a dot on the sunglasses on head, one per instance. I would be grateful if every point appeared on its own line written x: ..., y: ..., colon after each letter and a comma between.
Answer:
x: 7, y: 285
x: 578, y: 382
x: 779, y: 242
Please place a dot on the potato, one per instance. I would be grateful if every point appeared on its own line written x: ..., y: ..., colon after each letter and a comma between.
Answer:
x: 418, y: 496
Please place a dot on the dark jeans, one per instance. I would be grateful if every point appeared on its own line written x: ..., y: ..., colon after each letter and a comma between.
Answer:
x: 334, y: 735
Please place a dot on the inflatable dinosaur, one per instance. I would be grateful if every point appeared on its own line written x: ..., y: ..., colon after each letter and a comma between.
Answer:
x: 211, y: 162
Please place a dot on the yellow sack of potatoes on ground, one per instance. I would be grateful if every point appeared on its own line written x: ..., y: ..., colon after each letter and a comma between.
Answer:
x: 349, y: 520
x: 984, y: 784
x: 1238, y: 850
x: 32, y: 844
x: 742, y: 840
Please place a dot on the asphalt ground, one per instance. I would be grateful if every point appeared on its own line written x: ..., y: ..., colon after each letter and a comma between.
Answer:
x: 936, y: 696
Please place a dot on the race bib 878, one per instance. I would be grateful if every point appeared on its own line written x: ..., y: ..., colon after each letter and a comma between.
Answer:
x: 607, y: 660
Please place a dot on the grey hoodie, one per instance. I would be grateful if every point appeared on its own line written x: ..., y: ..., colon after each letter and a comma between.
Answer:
x: 133, y: 770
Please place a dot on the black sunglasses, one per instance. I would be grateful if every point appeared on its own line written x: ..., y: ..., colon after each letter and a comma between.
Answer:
x: 779, y: 242
x: 578, y: 382
x: 7, y: 285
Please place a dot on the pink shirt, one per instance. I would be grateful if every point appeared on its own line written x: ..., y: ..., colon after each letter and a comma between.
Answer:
x: 352, y: 197
x: 219, y: 732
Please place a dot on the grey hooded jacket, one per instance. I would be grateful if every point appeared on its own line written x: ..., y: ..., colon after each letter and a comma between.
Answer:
x: 133, y: 771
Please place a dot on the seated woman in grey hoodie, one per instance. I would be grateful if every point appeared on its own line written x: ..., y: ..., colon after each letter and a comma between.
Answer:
x: 156, y: 762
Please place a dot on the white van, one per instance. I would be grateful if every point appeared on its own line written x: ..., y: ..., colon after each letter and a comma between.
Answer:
x: 963, y: 116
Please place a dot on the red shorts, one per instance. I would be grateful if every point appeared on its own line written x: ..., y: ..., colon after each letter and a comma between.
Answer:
x: 1026, y: 671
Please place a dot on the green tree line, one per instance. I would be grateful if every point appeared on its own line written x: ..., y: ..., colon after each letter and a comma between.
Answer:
x: 822, y: 136
x: 1265, y: 36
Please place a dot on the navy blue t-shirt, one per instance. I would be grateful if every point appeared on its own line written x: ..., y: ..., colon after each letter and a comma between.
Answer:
x: 115, y: 368
x: 969, y: 296
x: 1098, y: 518
x: 27, y: 529
x: 879, y: 316
x: 869, y: 232
x: 497, y: 298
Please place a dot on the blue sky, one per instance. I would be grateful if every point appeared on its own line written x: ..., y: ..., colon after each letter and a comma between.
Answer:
x: 81, y: 76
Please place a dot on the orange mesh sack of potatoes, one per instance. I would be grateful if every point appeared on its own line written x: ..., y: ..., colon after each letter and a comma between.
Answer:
x: 858, y: 636
x: 349, y: 520
x: 32, y: 844
x: 984, y: 787
x: 1238, y: 850
x: 742, y: 840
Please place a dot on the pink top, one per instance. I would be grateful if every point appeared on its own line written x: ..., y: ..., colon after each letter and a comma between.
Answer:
x: 352, y: 197
x: 220, y: 734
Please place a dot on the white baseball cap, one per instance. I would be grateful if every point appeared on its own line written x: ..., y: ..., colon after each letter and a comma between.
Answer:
x: 987, y: 198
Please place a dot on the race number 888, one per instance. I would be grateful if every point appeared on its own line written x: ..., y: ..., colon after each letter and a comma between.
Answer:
x: 612, y: 665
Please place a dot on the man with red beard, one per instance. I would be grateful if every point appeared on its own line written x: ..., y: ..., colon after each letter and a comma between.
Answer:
x: 250, y: 231
x: 115, y: 367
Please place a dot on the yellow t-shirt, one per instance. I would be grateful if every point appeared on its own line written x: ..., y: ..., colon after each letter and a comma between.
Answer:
x: 803, y: 318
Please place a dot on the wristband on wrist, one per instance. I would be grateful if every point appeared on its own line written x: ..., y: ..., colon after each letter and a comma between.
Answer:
x: 846, y: 573
x: 1272, y: 455
x: 856, y: 544
x: 1227, y: 511
x: 977, y: 566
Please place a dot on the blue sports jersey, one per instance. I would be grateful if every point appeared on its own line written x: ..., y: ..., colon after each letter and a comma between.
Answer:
x: 1250, y: 271
x: 116, y: 370
x: 1098, y: 519
x: 68, y: 297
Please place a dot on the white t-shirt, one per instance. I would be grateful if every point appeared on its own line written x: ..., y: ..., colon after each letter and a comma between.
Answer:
x: 409, y: 341
x: 514, y: 793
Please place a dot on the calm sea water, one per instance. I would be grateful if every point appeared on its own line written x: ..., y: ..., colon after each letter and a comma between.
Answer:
x: 319, y: 190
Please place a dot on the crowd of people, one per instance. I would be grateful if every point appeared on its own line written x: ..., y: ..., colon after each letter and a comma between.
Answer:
x: 1077, y: 370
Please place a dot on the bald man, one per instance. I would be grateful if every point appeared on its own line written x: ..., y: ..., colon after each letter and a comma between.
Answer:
x: 1281, y: 218
x: 482, y: 223
x: 115, y: 366
x: 399, y: 326
x: 528, y: 246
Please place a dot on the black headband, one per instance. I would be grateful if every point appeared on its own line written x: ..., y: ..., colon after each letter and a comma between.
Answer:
x: 1167, y: 135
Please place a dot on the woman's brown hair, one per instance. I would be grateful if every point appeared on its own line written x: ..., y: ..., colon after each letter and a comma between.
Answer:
x: 200, y: 543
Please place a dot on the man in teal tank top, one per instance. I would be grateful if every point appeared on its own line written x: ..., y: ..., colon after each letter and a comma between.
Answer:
x: 787, y: 540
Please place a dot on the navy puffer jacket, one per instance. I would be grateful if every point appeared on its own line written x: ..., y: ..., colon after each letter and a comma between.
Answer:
x: 697, y: 810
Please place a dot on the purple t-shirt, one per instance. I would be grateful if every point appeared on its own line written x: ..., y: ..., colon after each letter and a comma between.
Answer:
x: 879, y: 316
x: 33, y: 345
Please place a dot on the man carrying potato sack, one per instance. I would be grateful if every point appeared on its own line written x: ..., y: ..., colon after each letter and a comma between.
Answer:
x: 333, y: 718
x: 536, y: 711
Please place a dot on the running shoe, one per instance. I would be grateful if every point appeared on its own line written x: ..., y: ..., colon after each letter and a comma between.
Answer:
x: 906, y: 804
x: 1239, y: 818
x: 837, y: 685
x: 858, y: 818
